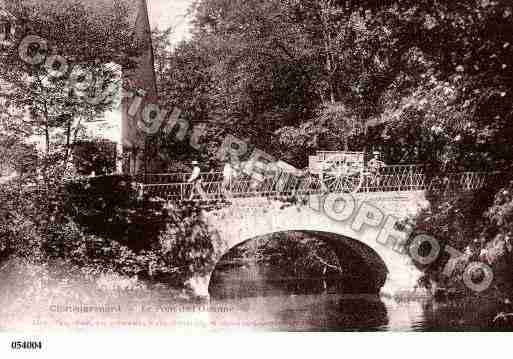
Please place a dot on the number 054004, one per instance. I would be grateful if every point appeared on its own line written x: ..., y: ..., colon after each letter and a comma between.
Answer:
x: 26, y: 345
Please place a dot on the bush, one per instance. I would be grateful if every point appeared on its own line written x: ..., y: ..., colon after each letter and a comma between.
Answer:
x: 20, y: 216
x: 98, y: 156
x: 102, y: 225
x: 111, y: 207
x: 461, y: 222
x: 186, y: 251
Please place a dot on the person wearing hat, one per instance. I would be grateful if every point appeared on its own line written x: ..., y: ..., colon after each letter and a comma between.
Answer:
x: 374, y: 165
x: 196, y: 180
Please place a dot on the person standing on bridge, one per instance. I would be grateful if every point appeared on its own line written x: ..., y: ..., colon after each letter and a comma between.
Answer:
x: 195, y: 179
x: 374, y: 165
x: 324, y: 167
x: 229, y: 174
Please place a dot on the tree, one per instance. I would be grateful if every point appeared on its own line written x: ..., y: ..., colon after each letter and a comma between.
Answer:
x: 76, y: 80
x: 262, y: 70
x: 162, y: 50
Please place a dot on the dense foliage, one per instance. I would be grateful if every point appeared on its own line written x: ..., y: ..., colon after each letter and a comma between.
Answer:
x: 101, y: 225
x: 423, y: 81
x: 49, y: 213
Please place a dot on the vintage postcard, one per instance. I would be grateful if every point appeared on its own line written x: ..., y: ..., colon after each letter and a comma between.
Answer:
x: 202, y: 166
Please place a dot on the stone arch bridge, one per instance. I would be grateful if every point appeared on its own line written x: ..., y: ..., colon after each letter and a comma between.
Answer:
x: 364, y: 224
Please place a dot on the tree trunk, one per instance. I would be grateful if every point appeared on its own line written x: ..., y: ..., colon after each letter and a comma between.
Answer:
x: 327, y: 46
x: 68, y: 142
x: 47, y: 130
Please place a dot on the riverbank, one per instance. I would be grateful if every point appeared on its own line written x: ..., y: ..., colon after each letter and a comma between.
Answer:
x: 55, y: 290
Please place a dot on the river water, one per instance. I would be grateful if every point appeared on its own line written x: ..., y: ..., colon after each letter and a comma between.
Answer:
x: 338, y: 312
x: 237, y: 304
x: 292, y: 305
x: 270, y: 311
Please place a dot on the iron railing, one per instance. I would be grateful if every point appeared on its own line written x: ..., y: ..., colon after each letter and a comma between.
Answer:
x: 398, y: 178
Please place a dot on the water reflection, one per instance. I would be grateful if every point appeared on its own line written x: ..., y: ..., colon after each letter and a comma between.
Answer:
x: 313, y: 304
x: 303, y: 313
x: 342, y: 312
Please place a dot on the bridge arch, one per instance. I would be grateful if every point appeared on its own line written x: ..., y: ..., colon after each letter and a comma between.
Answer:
x: 238, y: 223
x: 363, y: 269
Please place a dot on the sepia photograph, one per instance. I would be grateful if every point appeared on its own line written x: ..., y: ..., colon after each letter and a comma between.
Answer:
x: 255, y: 166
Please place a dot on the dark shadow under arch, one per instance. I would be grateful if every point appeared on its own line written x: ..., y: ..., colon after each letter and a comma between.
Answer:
x: 368, y: 271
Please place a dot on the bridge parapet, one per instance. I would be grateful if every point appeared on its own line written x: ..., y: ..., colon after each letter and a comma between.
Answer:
x: 174, y: 186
